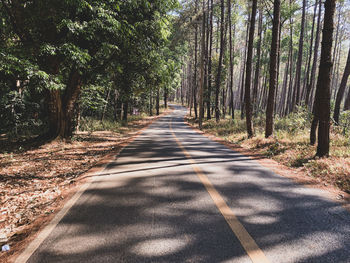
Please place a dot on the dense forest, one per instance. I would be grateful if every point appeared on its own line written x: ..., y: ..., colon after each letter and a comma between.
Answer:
x: 64, y: 62
x: 269, y: 59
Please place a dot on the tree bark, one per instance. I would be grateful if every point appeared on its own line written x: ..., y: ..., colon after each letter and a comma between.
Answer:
x: 257, y: 68
x: 322, y: 98
x: 247, y: 100
x: 273, y: 68
x: 195, y: 106
x: 296, y: 100
x: 61, y: 107
x: 218, y: 77
x: 311, y: 82
x: 231, y: 52
x: 210, y: 60
x: 202, y: 65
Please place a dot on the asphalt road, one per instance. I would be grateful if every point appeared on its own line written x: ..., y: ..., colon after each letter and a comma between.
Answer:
x: 152, y: 205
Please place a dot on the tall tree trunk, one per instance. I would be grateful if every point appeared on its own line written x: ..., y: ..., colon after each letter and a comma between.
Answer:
x: 195, y: 106
x: 210, y: 60
x: 306, y: 80
x: 247, y: 100
x: 311, y: 82
x: 333, y: 77
x: 222, y: 46
x: 322, y: 99
x: 202, y: 65
x: 273, y: 67
x: 296, y: 100
x: 257, y: 68
x: 341, y: 90
x: 244, y: 68
x: 290, y: 88
x: 231, y: 52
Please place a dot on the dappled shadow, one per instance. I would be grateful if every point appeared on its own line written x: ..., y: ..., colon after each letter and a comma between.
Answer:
x: 149, y: 206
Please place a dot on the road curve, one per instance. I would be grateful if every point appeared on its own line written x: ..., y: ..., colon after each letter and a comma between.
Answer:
x: 173, y: 195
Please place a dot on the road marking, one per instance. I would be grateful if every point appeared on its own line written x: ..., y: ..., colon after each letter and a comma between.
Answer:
x: 246, y: 240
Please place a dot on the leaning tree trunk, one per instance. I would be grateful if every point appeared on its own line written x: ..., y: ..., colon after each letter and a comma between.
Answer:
x: 273, y: 68
x: 322, y: 99
x: 341, y: 90
x: 247, y: 100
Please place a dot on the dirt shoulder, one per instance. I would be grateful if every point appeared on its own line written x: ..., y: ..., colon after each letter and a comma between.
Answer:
x: 298, y: 174
x: 36, y: 183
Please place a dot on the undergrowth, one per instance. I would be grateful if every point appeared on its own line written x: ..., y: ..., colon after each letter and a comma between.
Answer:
x: 290, y: 143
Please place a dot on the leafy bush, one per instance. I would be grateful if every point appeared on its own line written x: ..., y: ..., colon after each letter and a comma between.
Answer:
x: 294, y: 122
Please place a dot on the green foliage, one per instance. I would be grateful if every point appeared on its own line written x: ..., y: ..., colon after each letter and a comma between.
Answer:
x: 296, y: 121
x: 120, y: 50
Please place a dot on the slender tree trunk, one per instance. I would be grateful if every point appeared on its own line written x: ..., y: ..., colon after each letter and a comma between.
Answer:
x: 341, y: 90
x: 166, y: 98
x: 195, y: 106
x: 306, y: 80
x: 247, y: 100
x: 157, y: 102
x: 210, y: 60
x: 218, y: 77
x: 257, y: 68
x: 290, y: 88
x: 311, y: 82
x: 322, y: 99
x: 150, y: 103
x: 296, y: 100
x: 202, y: 65
x: 231, y: 52
x: 244, y: 69
x: 335, y: 48
x: 273, y: 68
x: 105, y: 107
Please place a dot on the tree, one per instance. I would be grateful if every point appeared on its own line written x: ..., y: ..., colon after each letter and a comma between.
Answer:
x: 296, y: 97
x: 222, y: 47
x: 322, y: 98
x: 248, y: 75
x: 273, y: 68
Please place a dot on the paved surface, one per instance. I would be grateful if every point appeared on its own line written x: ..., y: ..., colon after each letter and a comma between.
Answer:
x: 150, y: 206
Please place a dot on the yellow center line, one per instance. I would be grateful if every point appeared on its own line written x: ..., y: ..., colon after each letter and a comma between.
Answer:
x: 246, y: 240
